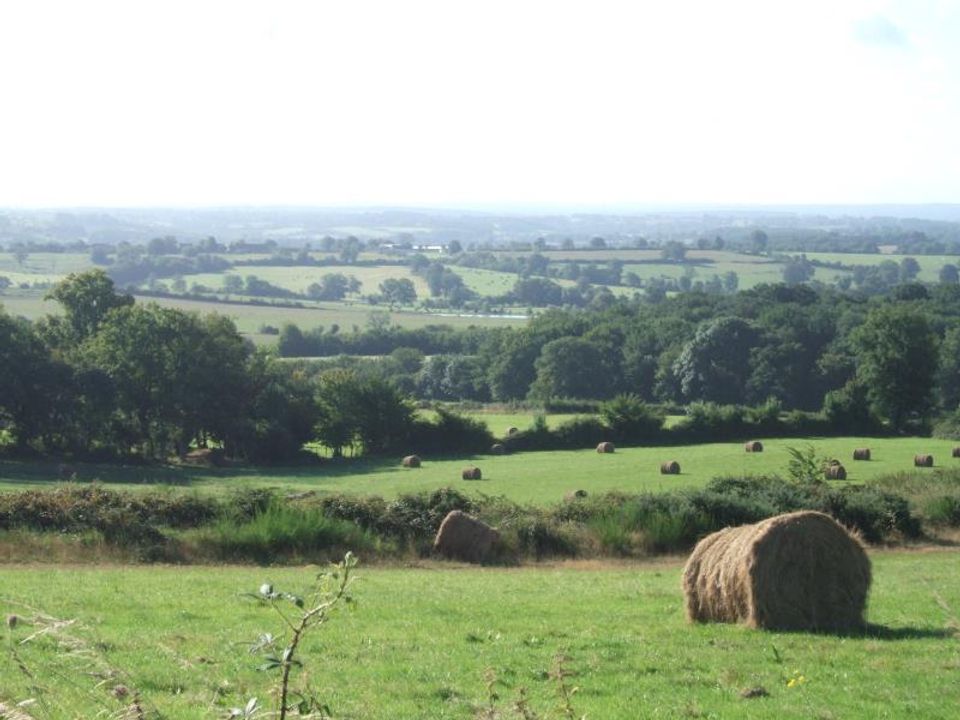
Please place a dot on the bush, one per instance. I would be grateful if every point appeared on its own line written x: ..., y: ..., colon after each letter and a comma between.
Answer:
x: 943, y: 510
x: 877, y: 515
x: 631, y: 420
x: 948, y: 427
x: 450, y: 432
x: 285, y: 532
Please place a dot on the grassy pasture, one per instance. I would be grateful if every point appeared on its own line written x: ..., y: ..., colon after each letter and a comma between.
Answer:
x: 539, y: 478
x: 249, y: 318
x: 929, y: 264
x: 422, y: 639
x: 299, y: 278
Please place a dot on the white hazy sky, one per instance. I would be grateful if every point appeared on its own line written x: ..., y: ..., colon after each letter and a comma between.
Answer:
x: 410, y: 102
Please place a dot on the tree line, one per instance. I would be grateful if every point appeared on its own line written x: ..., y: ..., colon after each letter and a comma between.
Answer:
x: 894, y: 356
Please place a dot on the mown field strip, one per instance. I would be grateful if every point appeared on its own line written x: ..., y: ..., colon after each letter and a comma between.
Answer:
x: 422, y: 640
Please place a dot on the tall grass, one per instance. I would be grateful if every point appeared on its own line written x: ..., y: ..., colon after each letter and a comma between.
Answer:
x: 283, y: 532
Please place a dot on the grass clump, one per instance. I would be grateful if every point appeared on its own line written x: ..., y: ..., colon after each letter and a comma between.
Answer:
x: 283, y: 532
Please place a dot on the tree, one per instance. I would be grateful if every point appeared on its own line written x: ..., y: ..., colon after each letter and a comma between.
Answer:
x: 454, y: 247
x: 715, y: 364
x: 674, y: 251
x: 87, y: 298
x: 948, y: 375
x: 759, y: 241
x: 797, y: 270
x: 100, y: 255
x: 568, y: 367
x: 398, y: 290
x: 949, y: 274
x: 538, y: 292
x: 897, y: 353
x: 909, y: 269
x: 232, y: 284
x: 598, y: 243
x: 332, y: 286
x: 5, y: 282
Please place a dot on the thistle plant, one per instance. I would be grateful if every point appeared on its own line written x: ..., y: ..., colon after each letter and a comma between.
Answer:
x: 299, y: 615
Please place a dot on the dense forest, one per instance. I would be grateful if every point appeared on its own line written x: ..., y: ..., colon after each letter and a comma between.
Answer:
x: 114, y: 378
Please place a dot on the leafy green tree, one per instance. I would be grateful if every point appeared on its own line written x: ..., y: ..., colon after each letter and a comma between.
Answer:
x: 674, y: 251
x: 87, y: 298
x: 759, y: 241
x: 570, y: 367
x: 715, y: 364
x: 948, y: 374
x: 233, y: 284
x: 949, y: 274
x: 332, y: 286
x: 630, y: 418
x: 897, y: 354
x: 909, y: 269
x: 25, y: 372
x: 398, y: 290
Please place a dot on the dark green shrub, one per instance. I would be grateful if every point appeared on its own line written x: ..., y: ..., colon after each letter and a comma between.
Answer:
x: 943, y: 510
x: 877, y: 515
x: 284, y: 532
x: 632, y: 420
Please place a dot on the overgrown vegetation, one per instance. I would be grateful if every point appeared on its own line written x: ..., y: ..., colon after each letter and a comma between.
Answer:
x: 264, y: 527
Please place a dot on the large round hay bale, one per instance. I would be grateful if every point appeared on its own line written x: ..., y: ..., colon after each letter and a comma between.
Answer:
x: 671, y: 467
x: 923, y: 460
x: 512, y: 431
x: 956, y: 452
x: 605, y: 447
x: 463, y: 537
x: 861, y: 454
x: 753, y: 446
x: 835, y: 472
x: 471, y: 473
x: 411, y: 461
x: 799, y: 571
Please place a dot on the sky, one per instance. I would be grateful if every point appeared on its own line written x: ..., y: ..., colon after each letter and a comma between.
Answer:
x: 478, y: 103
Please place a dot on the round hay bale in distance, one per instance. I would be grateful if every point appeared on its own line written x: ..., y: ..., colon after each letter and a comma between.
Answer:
x: 923, y: 460
x: 575, y: 495
x: 498, y: 449
x: 835, y: 472
x: 605, y: 447
x: 798, y: 571
x: 512, y: 431
x: 412, y: 461
x: 671, y: 467
x: 471, y: 473
x: 753, y: 446
x: 861, y: 454
x: 463, y: 537
x: 956, y: 452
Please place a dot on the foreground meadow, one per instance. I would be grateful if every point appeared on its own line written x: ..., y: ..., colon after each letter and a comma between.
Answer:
x: 424, y: 641
x: 539, y: 478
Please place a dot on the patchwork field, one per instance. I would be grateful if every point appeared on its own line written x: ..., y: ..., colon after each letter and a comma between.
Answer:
x: 249, y: 319
x: 425, y: 642
x: 539, y: 478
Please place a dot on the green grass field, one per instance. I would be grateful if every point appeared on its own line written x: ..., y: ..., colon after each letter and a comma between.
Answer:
x: 929, y: 264
x: 422, y: 641
x: 250, y: 318
x: 539, y: 478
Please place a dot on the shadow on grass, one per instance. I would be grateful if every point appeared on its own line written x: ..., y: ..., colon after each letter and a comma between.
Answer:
x: 47, y: 472
x: 882, y: 632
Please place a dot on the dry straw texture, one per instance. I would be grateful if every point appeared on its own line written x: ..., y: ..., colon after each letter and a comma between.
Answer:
x: 835, y: 472
x: 861, y: 454
x: 605, y: 447
x: 471, y: 473
x: 411, y: 461
x: 923, y: 460
x: 799, y: 571
x: 671, y: 467
x: 463, y: 537
x: 753, y: 446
